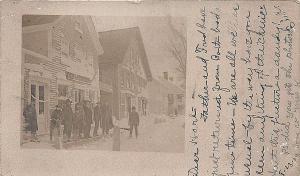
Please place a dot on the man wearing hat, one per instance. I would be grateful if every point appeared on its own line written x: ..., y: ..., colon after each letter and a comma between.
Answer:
x: 134, y: 122
x: 97, y: 118
x: 55, y: 120
x: 88, y: 118
x: 68, y: 119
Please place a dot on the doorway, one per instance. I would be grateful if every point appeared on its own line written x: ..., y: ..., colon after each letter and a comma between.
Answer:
x: 39, y: 95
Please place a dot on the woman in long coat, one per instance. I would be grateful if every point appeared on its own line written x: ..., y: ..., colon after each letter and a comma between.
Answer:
x: 88, y: 119
x: 31, y: 118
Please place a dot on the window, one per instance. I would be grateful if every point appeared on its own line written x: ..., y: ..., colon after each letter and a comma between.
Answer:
x: 62, y: 90
x: 79, y: 53
x: 42, y: 99
x: 65, y: 46
x: 127, y: 79
x: 72, y: 50
x: 92, y: 95
x: 78, y: 95
x: 122, y: 77
x: 76, y: 52
x: 122, y: 98
x: 170, y: 98
x: 179, y: 97
x: 139, y: 103
x: 89, y: 60
x: 81, y: 95
x: 77, y: 27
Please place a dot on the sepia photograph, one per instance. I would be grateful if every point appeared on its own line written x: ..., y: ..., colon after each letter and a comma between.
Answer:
x: 158, y: 88
x: 103, y: 83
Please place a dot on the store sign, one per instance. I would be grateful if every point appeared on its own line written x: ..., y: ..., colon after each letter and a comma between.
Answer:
x: 73, y: 77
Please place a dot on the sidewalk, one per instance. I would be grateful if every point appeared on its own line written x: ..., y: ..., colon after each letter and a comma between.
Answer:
x: 45, y: 142
x: 157, y: 133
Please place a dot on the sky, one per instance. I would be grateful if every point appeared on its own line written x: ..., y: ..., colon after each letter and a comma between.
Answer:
x: 156, y: 35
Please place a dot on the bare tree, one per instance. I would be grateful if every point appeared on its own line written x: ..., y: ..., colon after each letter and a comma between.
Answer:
x: 178, y: 47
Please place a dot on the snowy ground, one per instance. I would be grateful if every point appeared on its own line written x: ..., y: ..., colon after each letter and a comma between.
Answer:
x: 164, y: 136
x: 156, y: 134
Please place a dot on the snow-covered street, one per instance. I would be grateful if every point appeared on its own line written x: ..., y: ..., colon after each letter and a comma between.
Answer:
x: 163, y: 134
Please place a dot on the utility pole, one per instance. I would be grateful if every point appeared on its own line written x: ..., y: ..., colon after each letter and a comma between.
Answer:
x: 116, y: 107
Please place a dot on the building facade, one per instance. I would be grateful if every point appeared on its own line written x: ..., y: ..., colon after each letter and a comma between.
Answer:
x: 165, y: 97
x: 60, y: 61
x: 124, y: 71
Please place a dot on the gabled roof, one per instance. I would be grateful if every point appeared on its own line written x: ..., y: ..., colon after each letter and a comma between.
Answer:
x: 169, y: 87
x: 115, y: 44
x: 172, y: 87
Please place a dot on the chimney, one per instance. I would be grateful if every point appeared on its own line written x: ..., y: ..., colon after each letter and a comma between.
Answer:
x: 166, y: 75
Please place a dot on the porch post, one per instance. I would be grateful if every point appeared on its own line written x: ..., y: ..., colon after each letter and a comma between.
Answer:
x: 116, y: 106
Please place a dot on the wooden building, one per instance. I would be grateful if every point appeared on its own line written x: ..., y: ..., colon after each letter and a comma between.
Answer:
x: 60, y: 61
x: 124, y: 71
x: 165, y: 97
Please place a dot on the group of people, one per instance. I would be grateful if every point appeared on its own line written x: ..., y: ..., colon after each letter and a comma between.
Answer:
x: 76, y: 124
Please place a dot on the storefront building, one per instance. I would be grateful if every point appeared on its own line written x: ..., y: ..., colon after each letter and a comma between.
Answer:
x: 60, y: 61
x: 124, y: 71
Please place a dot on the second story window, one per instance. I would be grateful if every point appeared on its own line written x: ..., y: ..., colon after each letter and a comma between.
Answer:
x: 65, y: 48
x: 78, y: 27
x: 170, y: 98
x: 62, y: 90
x: 76, y: 52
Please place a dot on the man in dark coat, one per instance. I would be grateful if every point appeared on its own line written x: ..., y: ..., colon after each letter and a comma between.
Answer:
x: 134, y: 121
x: 88, y: 119
x: 103, y: 115
x: 68, y: 119
x: 97, y: 118
x: 106, y: 119
x: 55, y: 121
x: 31, y: 118
x: 78, y: 120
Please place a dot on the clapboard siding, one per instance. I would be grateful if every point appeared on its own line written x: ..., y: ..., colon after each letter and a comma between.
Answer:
x: 26, y: 87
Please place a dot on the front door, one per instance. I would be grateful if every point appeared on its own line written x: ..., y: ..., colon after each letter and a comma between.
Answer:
x: 39, y: 97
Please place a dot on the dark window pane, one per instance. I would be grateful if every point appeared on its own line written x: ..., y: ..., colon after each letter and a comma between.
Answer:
x: 62, y: 90
x: 33, y: 92
x: 41, y: 98
x: 41, y: 93
x: 41, y: 107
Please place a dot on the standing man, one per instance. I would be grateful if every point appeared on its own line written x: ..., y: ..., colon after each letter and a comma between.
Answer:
x: 55, y: 120
x: 134, y: 121
x: 103, y: 118
x: 88, y: 119
x: 31, y: 117
x: 68, y: 119
x: 106, y: 119
x: 78, y: 120
x: 97, y: 118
